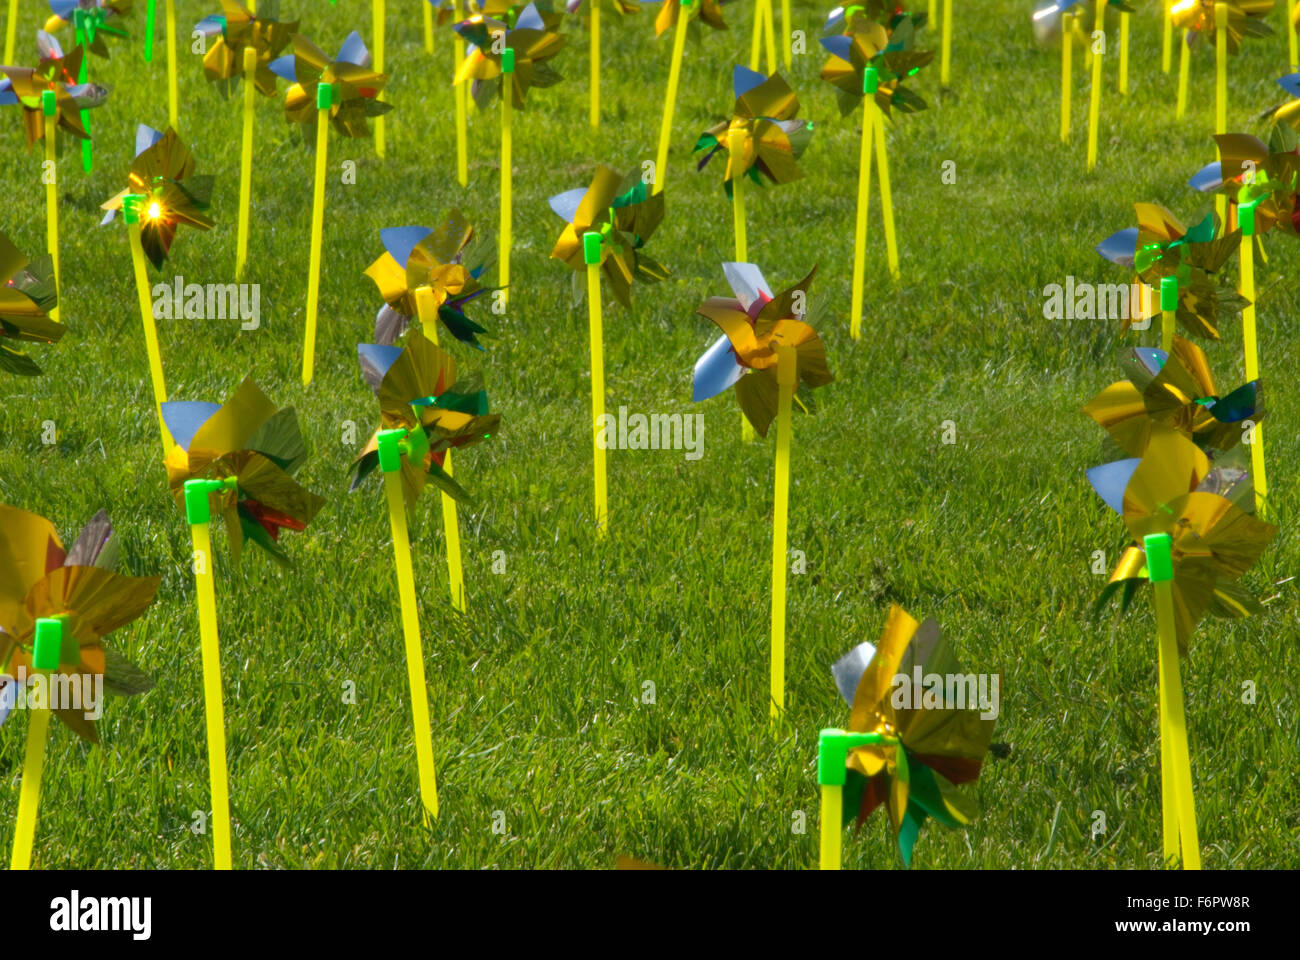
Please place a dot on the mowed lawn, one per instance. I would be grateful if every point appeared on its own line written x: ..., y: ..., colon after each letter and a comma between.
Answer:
x: 537, y: 694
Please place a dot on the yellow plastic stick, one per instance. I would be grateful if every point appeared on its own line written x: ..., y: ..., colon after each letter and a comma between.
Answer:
x: 317, y: 229
x: 462, y: 146
x: 756, y: 37
x: 428, y: 26
x: 1251, y: 347
x: 1183, y: 58
x: 1168, y: 324
x: 735, y: 149
x: 597, y: 392
x: 787, y: 28
x: 427, y: 309
x: 1221, y: 94
x: 785, y: 376
x: 945, y: 60
x: 212, y: 698
x: 377, y: 10
x: 1177, y: 725
x: 1291, y: 36
x: 886, y: 198
x: 1094, y: 102
x: 1168, y: 789
x: 173, y: 95
x: 411, y: 636
x: 1067, y: 69
x: 832, y: 830
x: 595, y: 62
x: 769, y: 30
x: 246, y: 160
x: 11, y: 31
x: 507, y: 180
x: 29, y: 797
x: 1167, y: 41
x: 52, y: 203
x: 670, y: 100
x: 1123, y: 53
x: 860, y: 227
x: 150, y: 331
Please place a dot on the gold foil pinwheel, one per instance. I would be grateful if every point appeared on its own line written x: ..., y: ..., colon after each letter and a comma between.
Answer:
x: 531, y: 45
x: 1160, y: 246
x: 1264, y: 176
x: 626, y: 213
x: 40, y: 579
x: 1174, y: 391
x: 933, y: 721
x: 437, y: 269
x: 162, y: 193
x: 873, y: 35
x: 1245, y: 19
x: 754, y: 324
x: 51, y: 87
x: 252, y: 449
x: 237, y: 29
x: 704, y: 11
x: 764, y: 137
x: 354, y: 85
x: 418, y: 392
x: 1174, y: 490
x: 27, y: 295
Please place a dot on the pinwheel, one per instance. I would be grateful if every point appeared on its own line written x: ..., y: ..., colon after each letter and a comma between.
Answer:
x: 622, y: 7
x: 244, y: 45
x: 56, y: 607
x: 1161, y: 249
x: 239, y: 459
x: 1193, y: 545
x: 517, y: 58
x: 28, y: 300
x: 767, y: 351
x: 161, y: 196
x: 89, y: 19
x: 706, y: 11
x: 911, y: 758
x: 1227, y: 24
x: 345, y: 92
x: 422, y: 418
x: 430, y: 274
x: 763, y: 138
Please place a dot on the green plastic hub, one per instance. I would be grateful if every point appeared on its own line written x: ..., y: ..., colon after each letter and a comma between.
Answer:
x: 870, y: 81
x: 833, y: 746
x: 508, y: 60
x: 49, y: 103
x: 1160, y: 561
x: 324, y: 96
x: 48, y: 644
x: 591, y: 247
x: 1168, y: 293
x: 198, y: 508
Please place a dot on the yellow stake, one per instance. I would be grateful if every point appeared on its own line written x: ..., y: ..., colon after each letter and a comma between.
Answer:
x: 1252, y: 370
x: 150, y: 331
x: 1094, y: 102
x: 1291, y: 35
x: 1067, y: 66
x: 377, y: 11
x: 785, y: 377
x: 595, y: 62
x: 317, y: 229
x: 507, y: 176
x: 736, y: 150
x: 414, y: 650
x: 756, y: 37
x: 211, y: 656
x: 886, y: 198
x: 945, y: 60
x: 769, y: 27
x: 1168, y: 323
x: 786, y: 31
x: 1123, y: 53
x: 11, y: 31
x: 246, y: 161
x: 462, y: 147
x: 670, y: 99
x: 173, y: 96
x: 860, y: 228
x: 52, y: 204
x: 597, y: 393
x: 832, y: 830
x: 1183, y: 58
x: 428, y: 26
x: 428, y: 313
x: 1221, y: 94
x: 1167, y: 41
x: 1168, y: 788
x: 29, y: 797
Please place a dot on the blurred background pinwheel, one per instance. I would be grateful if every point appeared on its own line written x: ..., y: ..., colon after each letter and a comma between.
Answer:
x: 925, y: 752
x: 27, y: 295
x: 237, y: 29
x: 764, y: 137
x: 626, y: 213
x: 355, y: 86
x: 56, y: 74
x: 1245, y: 19
x: 704, y: 11
x: 879, y: 36
x: 93, y: 20
x: 1267, y: 176
x: 533, y: 44
x: 258, y: 447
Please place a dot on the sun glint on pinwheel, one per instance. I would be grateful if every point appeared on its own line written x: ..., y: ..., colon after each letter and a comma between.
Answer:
x: 417, y: 390
x: 27, y: 295
x: 1174, y: 391
x: 353, y: 84
x: 1245, y: 19
x: 879, y: 37
x: 626, y: 214
x: 1160, y: 246
x: 764, y: 137
x: 1266, y: 176
x: 253, y: 449
x: 754, y: 324
x: 922, y: 751
x: 447, y: 262
x: 233, y: 31
x: 533, y: 45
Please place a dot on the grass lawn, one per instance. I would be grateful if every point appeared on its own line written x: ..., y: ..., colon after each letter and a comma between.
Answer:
x: 536, y: 695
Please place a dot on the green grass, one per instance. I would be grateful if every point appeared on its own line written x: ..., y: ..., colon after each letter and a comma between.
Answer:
x: 535, y: 694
